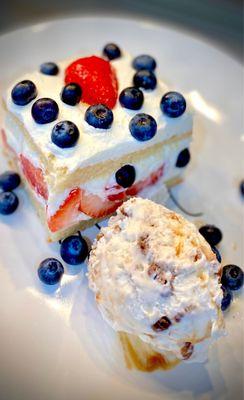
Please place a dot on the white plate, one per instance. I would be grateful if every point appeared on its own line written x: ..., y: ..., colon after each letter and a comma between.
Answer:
x: 54, y: 344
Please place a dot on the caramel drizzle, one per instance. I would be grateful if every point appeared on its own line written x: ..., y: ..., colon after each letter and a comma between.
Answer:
x: 141, y: 356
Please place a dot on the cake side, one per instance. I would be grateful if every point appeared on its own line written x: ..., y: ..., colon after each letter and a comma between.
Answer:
x: 153, y: 185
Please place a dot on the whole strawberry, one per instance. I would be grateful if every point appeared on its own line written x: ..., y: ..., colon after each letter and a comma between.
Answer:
x: 97, y: 79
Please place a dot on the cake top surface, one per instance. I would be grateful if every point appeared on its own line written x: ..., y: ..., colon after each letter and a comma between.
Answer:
x: 155, y: 276
x: 94, y: 145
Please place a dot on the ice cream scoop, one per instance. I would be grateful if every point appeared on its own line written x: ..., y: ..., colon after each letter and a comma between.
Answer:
x: 156, y: 277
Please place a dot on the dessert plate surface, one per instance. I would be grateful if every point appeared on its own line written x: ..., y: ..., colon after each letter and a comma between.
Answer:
x: 54, y: 343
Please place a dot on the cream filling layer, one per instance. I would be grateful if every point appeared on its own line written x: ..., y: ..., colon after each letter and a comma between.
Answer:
x: 143, y: 168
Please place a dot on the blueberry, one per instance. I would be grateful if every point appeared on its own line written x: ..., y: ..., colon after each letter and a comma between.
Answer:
x: 145, y: 79
x: 65, y: 134
x: 8, y: 203
x: 44, y: 111
x: 232, y: 277
x: 74, y: 250
x: 144, y: 62
x: 50, y: 271
x: 227, y: 298
x: 242, y: 187
x: 71, y: 94
x: 9, y: 180
x: 23, y: 93
x: 49, y: 68
x: 99, y: 116
x: 217, y: 253
x: 211, y: 233
x: 173, y: 104
x: 143, y: 127
x: 125, y: 176
x: 183, y: 158
x: 111, y: 51
x: 131, y: 98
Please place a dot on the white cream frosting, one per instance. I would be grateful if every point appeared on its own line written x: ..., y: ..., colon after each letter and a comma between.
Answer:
x: 95, y: 145
x: 150, y: 262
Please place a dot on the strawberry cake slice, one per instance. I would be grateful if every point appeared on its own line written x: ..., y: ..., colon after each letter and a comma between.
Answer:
x: 88, y: 133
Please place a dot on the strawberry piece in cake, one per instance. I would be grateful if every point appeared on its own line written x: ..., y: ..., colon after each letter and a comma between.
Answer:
x: 34, y: 177
x: 67, y: 213
x: 77, y: 202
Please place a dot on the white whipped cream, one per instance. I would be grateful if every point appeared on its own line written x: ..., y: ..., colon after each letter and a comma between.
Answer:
x: 150, y: 262
x: 94, y: 145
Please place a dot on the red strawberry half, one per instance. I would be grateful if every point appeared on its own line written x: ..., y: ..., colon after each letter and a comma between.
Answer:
x: 97, y: 79
x: 67, y: 212
x: 34, y: 176
x: 96, y: 207
x: 90, y: 204
x: 79, y: 201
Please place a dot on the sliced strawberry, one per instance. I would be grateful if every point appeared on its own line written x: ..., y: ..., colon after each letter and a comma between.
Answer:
x: 154, y: 177
x: 34, y: 176
x: 136, y: 188
x: 117, y: 196
x: 95, y: 207
x: 115, y: 192
x: 67, y: 213
x: 151, y: 180
x: 97, y: 79
x: 79, y: 200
